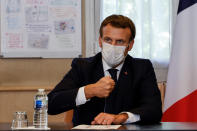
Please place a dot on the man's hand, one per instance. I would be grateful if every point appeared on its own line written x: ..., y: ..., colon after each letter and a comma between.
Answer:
x: 108, y: 119
x: 101, y: 88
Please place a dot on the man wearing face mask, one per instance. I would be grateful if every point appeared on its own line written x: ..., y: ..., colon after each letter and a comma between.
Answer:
x: 110, y: 87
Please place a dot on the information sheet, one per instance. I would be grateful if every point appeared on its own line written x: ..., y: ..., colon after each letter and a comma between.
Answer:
x: 96, y: 127
x: 41, y: 28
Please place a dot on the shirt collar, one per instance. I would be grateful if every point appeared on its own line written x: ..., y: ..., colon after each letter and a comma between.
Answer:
x: 106, y: 66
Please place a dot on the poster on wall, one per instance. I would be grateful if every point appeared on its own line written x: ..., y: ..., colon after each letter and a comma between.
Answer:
x: 41, y: 28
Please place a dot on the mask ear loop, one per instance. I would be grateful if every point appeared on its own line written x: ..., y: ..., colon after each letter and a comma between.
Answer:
x: 128, y: 46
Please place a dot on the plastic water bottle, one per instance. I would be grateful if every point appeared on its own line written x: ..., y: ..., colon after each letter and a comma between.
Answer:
x: 40, y: 118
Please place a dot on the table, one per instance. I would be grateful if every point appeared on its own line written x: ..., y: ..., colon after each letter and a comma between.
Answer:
x: 155, y: 127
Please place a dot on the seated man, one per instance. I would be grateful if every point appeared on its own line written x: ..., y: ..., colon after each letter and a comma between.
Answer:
x: 110, y: 87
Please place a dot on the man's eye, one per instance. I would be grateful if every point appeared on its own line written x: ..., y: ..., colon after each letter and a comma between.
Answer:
x: 120, y: 42
x: 107, y: 40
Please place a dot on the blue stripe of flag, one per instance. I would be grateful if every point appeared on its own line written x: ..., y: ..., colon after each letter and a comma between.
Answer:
x: 183, y: 4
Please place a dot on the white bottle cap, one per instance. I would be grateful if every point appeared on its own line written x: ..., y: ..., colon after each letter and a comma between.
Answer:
x: 40, y: 90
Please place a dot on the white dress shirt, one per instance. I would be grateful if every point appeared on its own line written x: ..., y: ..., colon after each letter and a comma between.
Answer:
x: 81, y: 99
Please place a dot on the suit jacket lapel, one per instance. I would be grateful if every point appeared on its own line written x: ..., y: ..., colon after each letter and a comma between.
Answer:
x: 125, y: 76
x: 98, y: 73
x: 98, y: 70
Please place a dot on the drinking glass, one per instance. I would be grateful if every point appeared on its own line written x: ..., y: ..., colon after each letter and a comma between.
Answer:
x: 19, y: 120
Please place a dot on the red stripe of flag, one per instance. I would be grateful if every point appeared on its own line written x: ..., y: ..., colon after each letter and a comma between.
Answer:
x: 183, y: 110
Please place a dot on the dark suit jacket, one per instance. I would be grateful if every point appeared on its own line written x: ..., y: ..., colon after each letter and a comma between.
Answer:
x: 136, y: 91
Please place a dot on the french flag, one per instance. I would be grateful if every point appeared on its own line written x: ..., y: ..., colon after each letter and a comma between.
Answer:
x: 180, y: 103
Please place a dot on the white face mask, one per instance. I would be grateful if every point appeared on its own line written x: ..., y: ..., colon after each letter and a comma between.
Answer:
x: 113, y: 55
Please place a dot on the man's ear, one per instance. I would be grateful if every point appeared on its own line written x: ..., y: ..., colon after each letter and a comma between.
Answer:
x: 131, y: 45
x: 100, y: 42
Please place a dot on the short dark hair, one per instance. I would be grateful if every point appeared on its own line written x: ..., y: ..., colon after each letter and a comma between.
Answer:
x: 118, y: 21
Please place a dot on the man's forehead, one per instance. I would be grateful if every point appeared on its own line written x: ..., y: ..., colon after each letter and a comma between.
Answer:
x: 114, y: 31
x: 109, y: 28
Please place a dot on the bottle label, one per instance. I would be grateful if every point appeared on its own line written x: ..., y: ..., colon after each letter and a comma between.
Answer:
x: 38, y: 104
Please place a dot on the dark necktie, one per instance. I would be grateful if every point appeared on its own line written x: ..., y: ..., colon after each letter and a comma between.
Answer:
x: 108, y: 101
x: 113, y: 73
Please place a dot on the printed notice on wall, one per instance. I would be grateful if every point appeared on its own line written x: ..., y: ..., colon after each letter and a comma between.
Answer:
x: 41, y: 28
